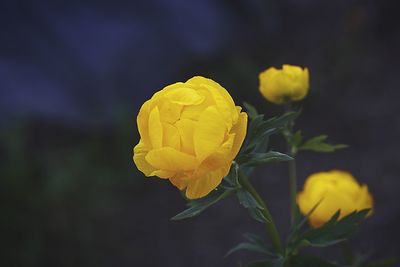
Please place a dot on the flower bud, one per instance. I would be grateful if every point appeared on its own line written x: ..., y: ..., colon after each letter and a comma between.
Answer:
x: 279, y: 86
x: 190, y: 133
x: 333, y: 190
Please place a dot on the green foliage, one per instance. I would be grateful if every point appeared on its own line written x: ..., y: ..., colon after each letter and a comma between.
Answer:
x: 252, y: 154
x: 199, y: 205
x: 260, y: 130
x: 255, y: 159
x: 296, y: 139
x: 332, y: 232
x: 255, y: 152
x: 253, y: 243
x: 318, y: 144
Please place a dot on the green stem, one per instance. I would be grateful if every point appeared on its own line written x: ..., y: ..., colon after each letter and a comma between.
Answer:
x: 270, y: 225
x: 292, y: 167
x: 293, y: 190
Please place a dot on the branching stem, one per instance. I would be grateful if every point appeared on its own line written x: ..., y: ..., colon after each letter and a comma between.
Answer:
x: 270, y: 225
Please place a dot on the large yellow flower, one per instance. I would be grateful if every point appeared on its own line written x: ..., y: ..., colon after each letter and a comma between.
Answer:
x: 190, y: 133
x: 335, y: 190
x: 281, y: 85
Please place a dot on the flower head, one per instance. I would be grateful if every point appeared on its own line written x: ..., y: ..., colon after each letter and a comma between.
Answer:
x: 281, y: 85
x: 190, y: 133
x: 333, y: 190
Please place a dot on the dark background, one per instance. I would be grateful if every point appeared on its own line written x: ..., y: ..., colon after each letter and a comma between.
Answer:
x: 72, y: 79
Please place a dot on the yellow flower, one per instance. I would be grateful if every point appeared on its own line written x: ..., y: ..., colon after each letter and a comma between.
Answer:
x: 280, y: 86
x: 335, y: 190
x: 190, y: 133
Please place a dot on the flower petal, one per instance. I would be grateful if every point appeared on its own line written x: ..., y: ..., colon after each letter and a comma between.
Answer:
x: 139, y: 154
x: 163, y: 174
x: 170, y: 159
x: 171, y: 137
x: 201, y: 186
x: 209, y: 133
x: 155, y: 128
x: 186, y: 130
x: 240, y: 130
x: 185, y: 96
x: 178, y: 182
x: 143, y: 123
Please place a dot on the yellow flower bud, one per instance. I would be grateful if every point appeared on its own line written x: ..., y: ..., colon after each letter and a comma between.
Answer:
x: 335, y: 190
x: 289, y: 83
x: 190, y: 133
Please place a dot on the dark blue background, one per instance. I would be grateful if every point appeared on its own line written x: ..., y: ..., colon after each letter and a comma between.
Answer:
x: 73, y: 76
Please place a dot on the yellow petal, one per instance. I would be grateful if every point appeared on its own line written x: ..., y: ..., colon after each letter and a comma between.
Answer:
x: 209, y: 133
x: 169, y: 112
x: 163, y: 174
x: 178, y: 182
x: 171, y: 137
x: 240, y: 130
x: 186, y: 130
x: 185, y: 96
x: 200, y: 186
x: 216, y: 160
x: 155, y: 128
x: 143, y: 123
x: 139, y: 154
x: 193, y: 112
x: 170, y: 159
x: 198, y: 80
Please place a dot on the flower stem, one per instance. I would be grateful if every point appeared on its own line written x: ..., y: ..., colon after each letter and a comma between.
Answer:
x: 292, y: 167
x: 270, y: 225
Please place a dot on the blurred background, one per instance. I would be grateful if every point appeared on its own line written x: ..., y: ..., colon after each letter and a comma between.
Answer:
x: 73, y: 77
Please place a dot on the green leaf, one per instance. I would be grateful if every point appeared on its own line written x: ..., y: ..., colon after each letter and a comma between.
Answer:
x: 199, y: 205
x: 310, y: 261
x: 260, y: 130
x: 255, y: 159
x: 282, y: 121
x: 247, y: 200
x: 253, y: 243
x: 258, y: 215
x: 318, y: 144
x: 299, y: 222
x: 250, y: 110
x: 296, y: 139
x: 334, y: 231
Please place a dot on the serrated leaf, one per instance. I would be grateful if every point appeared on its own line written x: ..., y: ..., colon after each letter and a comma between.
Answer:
x: 299, y: 222
x: 296, y: 139
x: 247, y: 200
x: 253, y: 243
x: 282, y: 121
x: 250, y: 110
x: 199, y: 205
x: 258, y: 215
x: 334, y: 231
x: 255, y: 159
x: 232, y: 177
x: 260, y: 130
x: 317, y: 144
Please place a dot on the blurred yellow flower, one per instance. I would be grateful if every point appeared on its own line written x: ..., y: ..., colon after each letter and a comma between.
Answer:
x: 281, y: 85
x: 190, y: 133
x: 335, y: 190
